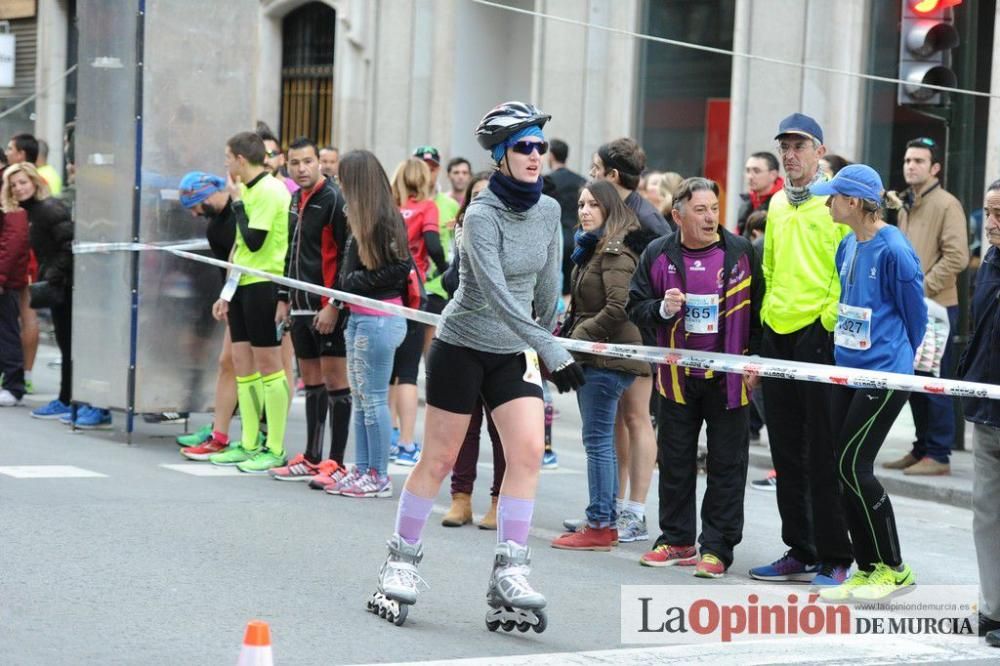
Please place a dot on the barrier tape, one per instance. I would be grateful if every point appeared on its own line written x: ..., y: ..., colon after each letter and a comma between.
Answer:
x: 714, y: 361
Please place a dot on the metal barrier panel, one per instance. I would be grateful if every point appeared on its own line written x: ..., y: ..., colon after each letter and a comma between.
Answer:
x: 105, y: 179
x: 197, y: 73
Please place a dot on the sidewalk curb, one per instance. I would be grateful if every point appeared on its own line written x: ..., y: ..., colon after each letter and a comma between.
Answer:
x: 760, y: 457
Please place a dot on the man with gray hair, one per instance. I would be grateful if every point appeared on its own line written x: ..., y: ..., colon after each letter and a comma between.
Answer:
x: 703, y: 276
x: 979, y: 364
x: 799, y: 313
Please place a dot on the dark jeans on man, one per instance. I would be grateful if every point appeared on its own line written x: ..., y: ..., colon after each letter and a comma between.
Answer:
x: 463, y: 475
x: 799, y: 430
x: 677, y: 455
x: 934, y: 415
x: 11, y: 353
x: 62, y: 322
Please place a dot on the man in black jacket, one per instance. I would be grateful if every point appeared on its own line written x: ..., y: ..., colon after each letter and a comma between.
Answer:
x: 981, y: 363
x: 317, y: 236
x: 622, y: 161
x: 565, y: 188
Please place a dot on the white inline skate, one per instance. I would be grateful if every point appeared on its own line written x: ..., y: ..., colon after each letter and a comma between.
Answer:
x: 397, y: 581
x: 513, y: 603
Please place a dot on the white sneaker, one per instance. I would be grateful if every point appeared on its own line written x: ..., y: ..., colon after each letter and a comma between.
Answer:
x: 7, y: 399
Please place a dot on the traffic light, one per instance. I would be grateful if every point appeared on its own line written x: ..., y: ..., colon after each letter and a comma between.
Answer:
x: 927, y: 35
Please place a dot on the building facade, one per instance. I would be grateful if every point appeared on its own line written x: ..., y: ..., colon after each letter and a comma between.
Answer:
x: 389, y: 75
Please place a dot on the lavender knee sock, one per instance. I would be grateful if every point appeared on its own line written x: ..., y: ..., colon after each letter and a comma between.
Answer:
x: 514, y: 519
x: 411, y: 515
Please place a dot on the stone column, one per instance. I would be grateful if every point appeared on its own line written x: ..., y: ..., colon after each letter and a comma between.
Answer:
x: 50, y: 105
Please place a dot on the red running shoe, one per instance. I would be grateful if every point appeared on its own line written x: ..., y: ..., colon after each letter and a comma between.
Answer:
x: 330, y: 473
x: 297, y: 469
x: 209, y: 447
x: 666, y: 555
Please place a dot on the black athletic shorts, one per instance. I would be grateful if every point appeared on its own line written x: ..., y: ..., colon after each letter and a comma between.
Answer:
x: 458, y: 376
x: 310, y: 344
x: 251, y: 315
x: 406, y: 362
x: 435, y: 304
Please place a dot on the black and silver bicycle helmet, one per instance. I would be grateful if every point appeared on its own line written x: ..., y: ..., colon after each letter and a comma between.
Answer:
x: 506, y: 119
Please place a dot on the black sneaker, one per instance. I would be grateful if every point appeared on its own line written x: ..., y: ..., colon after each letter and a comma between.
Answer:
x: 164, y: 418
x: 987, y: 625
x: 768, y: 483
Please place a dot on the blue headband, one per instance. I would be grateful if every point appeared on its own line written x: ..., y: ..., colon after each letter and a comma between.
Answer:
x: 197, y: 186
x: 501, y: 148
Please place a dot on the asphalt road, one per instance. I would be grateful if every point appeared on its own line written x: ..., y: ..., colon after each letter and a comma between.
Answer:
x: 148, y: 562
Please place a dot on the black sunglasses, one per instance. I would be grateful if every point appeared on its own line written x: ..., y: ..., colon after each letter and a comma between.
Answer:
x: 525, y: 147
x: 272, y: 153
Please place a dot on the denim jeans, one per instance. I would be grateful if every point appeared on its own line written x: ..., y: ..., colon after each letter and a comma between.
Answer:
x: 934, y: 415
x: 598, y: 400
x: 371, y: 345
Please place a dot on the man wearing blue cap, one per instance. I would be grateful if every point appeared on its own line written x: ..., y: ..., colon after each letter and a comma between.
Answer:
x: 205, y: 195
x: 799, y: 313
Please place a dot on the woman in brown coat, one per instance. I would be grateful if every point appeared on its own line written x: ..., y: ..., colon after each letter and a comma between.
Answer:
x: 608, y: 245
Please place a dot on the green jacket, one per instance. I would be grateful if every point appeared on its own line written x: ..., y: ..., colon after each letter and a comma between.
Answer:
x: 447, y: 210
x: 800, y: 271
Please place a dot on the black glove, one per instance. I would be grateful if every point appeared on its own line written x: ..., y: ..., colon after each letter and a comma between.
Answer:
x: 568, y: 377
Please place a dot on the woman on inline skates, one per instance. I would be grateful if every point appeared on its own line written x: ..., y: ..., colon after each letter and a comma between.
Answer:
x: 488, y: 345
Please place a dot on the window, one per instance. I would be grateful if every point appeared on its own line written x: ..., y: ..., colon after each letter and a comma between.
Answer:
x: 677, y: 85
x: 307, y: 73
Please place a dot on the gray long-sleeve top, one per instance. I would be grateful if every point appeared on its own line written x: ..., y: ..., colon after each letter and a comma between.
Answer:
x: 509, y: 261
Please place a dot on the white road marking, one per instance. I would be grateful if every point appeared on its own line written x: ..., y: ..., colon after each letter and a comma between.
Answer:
x: 208, y: 469
x: 48, y: 472
x: 396, y: 468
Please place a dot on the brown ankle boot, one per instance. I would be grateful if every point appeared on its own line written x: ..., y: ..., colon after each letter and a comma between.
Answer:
x: 906, y: 461
x: 928, y: 467
x: 489, y: 521
x: 460, y: 512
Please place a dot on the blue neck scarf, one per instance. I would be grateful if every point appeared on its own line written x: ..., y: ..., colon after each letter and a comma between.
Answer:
x: 515, y: 194
x: 585, y: 241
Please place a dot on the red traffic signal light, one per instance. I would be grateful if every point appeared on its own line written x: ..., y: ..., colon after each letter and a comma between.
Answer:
x: 929, y: 6
x: 927, y: 36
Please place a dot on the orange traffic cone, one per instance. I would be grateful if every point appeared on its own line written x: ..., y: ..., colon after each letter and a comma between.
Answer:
x: 256, y: 649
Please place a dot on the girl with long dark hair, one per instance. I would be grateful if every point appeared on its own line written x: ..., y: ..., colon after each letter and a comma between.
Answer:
x: 376, y: 265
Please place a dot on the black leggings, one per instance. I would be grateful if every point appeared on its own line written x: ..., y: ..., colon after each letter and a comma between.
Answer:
x: 62, y: 322
x: 865, y: 417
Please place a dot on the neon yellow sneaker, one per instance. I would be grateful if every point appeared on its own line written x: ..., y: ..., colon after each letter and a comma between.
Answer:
x: 262, y: 462
x: 233, y: 455
x: 843, y: 591
x: 884, y: 582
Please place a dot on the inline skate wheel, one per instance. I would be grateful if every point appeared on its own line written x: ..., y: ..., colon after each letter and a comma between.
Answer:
x: 382, y: 612
x: 398, y: 620
x: 508, y: 625
x: 523, y: 626
x: 542, y: 623
x: 493, y: 625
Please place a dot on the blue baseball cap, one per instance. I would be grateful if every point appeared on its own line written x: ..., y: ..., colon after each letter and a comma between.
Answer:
x: 196, y: 186
x: 855, y: 180
x: 801, y: 124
